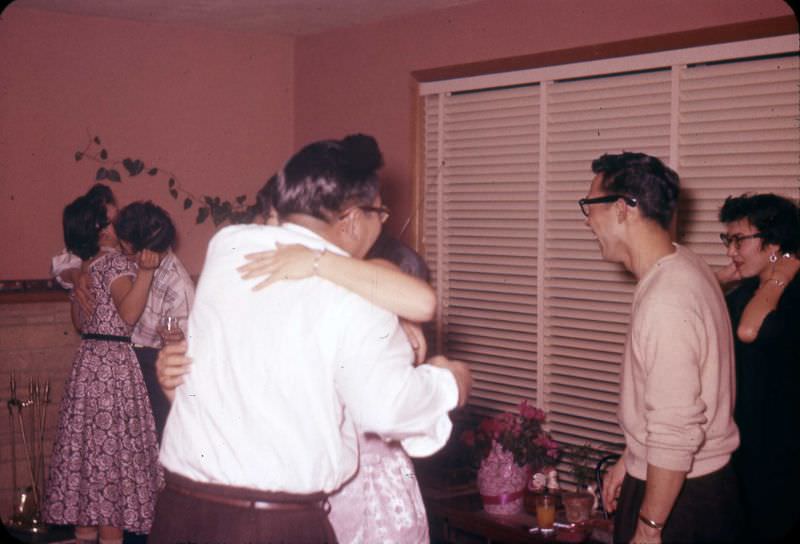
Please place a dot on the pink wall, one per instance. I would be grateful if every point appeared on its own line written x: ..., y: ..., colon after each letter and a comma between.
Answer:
x: 215, y: 108
x: 223, y: 110
x: 360, y: 79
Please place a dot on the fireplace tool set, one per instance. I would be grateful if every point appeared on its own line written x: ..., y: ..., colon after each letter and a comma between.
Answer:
x: 28, y: 421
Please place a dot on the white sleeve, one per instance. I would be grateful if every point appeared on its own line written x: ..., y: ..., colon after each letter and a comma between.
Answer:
x: 384, y: 392
x: 61, y: 262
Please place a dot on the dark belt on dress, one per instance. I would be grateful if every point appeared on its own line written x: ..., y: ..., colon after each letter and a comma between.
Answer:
x: 319, y: 501
x: 106, y: 337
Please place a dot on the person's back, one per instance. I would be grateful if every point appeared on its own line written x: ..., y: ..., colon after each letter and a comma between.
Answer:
x: 291, y: 349
x: 281, y: 378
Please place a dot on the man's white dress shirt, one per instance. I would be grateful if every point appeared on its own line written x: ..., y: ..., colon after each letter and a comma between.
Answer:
x: 282, y: 377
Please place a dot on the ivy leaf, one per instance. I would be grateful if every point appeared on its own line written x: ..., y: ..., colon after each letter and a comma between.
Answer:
x: 202, y: 214
x: 97, y: 140
x: 113, y: 175
x: 136, y: 167
x: 103, y: 154
x: 171, y: 183
x: 152, y: 172
x: 240, y: 199
x: 187, y: 203
x: 102, y: 173
x: 174, y: 193
x: 78, y: 156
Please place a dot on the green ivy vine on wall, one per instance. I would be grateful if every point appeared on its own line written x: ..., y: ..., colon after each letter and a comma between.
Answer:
x: 219, y: 210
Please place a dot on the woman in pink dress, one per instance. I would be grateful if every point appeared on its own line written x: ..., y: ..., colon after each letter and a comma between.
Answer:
x: 104, y: 471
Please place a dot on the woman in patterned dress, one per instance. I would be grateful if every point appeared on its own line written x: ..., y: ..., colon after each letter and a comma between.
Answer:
x: 104, y: 471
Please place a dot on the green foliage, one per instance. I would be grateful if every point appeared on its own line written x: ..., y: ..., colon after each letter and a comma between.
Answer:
x: 581, y: 461
x: 219, y: 210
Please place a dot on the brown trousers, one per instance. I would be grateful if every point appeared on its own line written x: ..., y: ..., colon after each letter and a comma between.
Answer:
x: 198, y: 513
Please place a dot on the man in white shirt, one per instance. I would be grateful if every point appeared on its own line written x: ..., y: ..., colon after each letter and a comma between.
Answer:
x: 264, y: 426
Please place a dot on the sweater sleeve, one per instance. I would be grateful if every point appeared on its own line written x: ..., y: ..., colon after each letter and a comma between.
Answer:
x: 671, y: 349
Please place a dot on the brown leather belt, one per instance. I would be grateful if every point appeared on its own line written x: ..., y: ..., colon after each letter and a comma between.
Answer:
x: 317, y: 504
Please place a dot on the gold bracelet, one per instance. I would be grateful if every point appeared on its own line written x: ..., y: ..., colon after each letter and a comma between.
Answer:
x: 650, y: 523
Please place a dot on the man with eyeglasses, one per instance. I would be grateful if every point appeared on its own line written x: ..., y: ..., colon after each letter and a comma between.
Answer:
x: 674, y: 482
x: 265, y: 426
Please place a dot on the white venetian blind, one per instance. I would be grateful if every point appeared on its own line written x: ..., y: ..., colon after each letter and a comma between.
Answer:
x: 587, y: 299
x: 481, y: 186
x: 525, y: 297
x: 739, y: 132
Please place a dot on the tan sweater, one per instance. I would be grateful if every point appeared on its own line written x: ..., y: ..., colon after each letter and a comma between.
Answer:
x: 676, y: 403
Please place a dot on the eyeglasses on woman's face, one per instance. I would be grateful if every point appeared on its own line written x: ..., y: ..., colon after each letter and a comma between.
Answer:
x: 737, y: 239
x: 584, y: 203
x: 383, y: 211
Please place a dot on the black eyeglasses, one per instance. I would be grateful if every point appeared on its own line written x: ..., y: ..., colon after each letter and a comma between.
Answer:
x: 736, y: 239
x: 584, y: 203
x: 383, y: 211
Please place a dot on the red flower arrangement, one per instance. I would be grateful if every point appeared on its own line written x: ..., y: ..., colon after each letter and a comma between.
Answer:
x: 521, y: 434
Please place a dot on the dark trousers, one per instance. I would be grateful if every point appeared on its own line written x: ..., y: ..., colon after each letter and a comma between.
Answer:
x: 707, y: 509
x: 195, y: 512
x: 158, y: 401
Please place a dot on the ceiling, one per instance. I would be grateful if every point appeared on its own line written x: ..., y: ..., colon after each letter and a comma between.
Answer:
x: 288, y: 17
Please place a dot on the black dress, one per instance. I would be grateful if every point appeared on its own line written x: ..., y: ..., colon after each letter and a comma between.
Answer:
x: 767, y: 412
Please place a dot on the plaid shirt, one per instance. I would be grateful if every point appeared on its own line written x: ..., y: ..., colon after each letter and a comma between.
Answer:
x: 171, y: 293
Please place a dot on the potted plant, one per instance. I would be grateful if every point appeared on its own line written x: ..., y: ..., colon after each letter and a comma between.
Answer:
x: 507, y: 447
x: 578, y: 504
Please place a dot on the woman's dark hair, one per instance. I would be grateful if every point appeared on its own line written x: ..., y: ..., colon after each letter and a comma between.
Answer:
x: 82, y: 220
x: 654, y: 185
x: 145, y: 226
x: 324, y: 177
x: 775, y: 217
x: 101, y: 192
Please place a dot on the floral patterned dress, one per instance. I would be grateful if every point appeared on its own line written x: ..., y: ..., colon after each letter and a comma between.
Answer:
x: 382, y: 504
x: 104, y: 469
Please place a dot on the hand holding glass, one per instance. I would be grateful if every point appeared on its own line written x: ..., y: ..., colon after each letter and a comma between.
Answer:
x: 169, y: 328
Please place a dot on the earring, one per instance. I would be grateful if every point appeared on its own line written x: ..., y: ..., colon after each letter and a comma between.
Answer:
x: 773, y: 258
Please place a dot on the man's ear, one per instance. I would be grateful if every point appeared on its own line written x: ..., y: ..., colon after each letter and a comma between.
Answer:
x: 621, y: 210
x: 347, y: 225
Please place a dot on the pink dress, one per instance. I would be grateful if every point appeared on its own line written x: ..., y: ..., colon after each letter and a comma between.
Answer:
x: 104, y: 469
x: 382, y: 504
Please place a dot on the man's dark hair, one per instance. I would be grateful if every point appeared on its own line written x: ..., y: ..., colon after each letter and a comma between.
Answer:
x: 82, y: 220
x: 324, y: 177
x: 775, y: 217
x: 145, y: 226
x: 265, y: 198
x: 654, y: 185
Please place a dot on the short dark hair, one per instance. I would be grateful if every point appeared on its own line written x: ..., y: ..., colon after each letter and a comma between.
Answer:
x: 654, y: 185
x: 775, y: 217
x: 265, y: 197
x: 325, y: 176
x: 145, y: 226
x: 82, y: 220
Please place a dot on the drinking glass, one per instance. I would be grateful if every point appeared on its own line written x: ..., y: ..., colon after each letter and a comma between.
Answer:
x: 546, y: 513
x: 170, y: 329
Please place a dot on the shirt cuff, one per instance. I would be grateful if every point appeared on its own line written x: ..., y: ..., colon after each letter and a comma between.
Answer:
x: 428, y: 444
